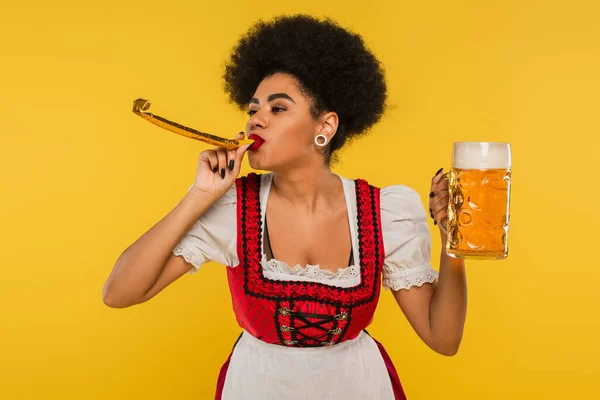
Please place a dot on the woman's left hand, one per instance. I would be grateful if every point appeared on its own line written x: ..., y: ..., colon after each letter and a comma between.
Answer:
x: 438, y: 200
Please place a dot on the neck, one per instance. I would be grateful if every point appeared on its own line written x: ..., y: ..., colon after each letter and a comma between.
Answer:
x: 309, y: 188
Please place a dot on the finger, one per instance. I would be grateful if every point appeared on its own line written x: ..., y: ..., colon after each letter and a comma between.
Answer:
x: 440, y: 181
x: 440, y: 215
x: 240, y: 151
x: 232, y: 155
x: 231, y: 159
x: 439, y: 212
x: 441, y: 190
x: 239, y: 156
x: 438, y: 191
x: 439, y: 204
x: 439, y: 186
x: 442, y: 197
x: 444, y: 224
x: 437, y: 176
x: 222, y: 156
x: 210, y: 157
x: 240, y: 136
x: 443, y: 177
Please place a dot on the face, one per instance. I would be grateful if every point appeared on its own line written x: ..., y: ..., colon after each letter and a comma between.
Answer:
x: 280, y: 114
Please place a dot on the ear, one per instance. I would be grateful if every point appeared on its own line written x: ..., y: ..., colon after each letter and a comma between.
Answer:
x: 328, y: 125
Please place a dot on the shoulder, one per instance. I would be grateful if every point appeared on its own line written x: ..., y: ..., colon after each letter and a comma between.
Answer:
x: 398, y: 199
x: 400, y: 192
x: 402, y: 201
x: 396, y: 191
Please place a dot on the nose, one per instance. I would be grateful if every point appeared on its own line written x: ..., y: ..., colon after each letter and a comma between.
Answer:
x: 257, y: 120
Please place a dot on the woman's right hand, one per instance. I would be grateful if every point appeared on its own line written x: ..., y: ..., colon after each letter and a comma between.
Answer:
x: 218, y: 169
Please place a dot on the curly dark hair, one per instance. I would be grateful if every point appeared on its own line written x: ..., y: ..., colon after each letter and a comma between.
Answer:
x: 333, y: 65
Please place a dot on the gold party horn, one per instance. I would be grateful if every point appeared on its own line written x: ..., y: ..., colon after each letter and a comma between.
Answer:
x: 141, y: 105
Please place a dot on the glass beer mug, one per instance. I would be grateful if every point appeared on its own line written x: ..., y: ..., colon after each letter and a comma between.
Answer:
x: 479, y: 200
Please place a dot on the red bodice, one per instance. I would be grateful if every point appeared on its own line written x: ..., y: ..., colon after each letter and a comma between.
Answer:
x: 303, y: 314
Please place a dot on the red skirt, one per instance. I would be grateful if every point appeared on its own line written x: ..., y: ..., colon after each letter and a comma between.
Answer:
x: 396, y: 386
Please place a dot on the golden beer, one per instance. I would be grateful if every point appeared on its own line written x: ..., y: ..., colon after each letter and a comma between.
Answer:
x: 479, y: 200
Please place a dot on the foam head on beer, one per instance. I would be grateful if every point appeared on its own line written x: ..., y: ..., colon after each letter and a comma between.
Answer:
x: 481, y: 155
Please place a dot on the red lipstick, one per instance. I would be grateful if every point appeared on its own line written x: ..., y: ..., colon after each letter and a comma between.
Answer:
x: 258, y: 141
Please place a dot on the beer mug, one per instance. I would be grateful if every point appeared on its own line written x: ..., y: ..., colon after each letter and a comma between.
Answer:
x: 479, y: 200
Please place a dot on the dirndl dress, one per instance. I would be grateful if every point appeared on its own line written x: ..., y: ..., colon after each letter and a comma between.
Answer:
x: 303, y: 337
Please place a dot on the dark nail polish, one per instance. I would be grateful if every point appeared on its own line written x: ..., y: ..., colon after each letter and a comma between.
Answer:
x: 215, y: 169
x: 222, y: 173
x: 431, y: 214
x: 431, y: 194
x: 231, y: 165
x: 439, y: 170
x: 434, y: 222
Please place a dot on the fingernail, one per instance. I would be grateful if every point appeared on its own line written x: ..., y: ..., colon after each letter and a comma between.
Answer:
x: 242, y: 133
x: 439, y: 170
x: 431, y: 213
x: 231, y: 165
x: 434, y: 222
x: 215, y: 169
x: 223, y: 173
x: 431, y: 194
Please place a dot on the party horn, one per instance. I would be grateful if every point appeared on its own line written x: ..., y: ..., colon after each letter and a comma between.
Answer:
x: 141, y: 105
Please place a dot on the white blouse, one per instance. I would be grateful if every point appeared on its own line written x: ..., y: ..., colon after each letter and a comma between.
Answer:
x: 351, y: 370
x: 406, y: 238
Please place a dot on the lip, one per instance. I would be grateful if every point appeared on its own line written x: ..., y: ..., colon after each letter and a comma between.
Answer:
x: 258, y: 141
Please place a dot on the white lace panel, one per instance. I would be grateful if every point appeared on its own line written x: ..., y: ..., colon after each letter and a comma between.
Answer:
x: 407, y: 278
x: 281, y: 271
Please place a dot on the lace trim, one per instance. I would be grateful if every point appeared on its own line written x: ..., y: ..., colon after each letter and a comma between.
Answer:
x: 281, y: 271
x: 189, y: 256
x: 409, y: 278
x: 310, y: 271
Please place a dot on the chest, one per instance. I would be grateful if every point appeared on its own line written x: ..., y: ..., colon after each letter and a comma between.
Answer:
x: 322, y: 239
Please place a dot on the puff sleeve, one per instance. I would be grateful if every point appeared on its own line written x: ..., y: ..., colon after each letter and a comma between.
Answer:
x: 407, y: 239
x: 213, y: 237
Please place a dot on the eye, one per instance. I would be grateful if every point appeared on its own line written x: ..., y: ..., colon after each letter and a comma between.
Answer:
x: 251, y: 112
x: 277, y: 109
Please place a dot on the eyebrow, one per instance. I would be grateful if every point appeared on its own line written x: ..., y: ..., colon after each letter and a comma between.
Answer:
x: 273, y: 97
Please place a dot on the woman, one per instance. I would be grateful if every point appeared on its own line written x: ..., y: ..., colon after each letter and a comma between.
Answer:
x: 307, y: 250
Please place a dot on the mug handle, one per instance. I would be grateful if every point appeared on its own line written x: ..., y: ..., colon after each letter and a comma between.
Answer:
x: 444, y: 221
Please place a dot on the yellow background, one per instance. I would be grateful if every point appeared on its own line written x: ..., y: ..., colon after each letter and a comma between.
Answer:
x: 82, y: 177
